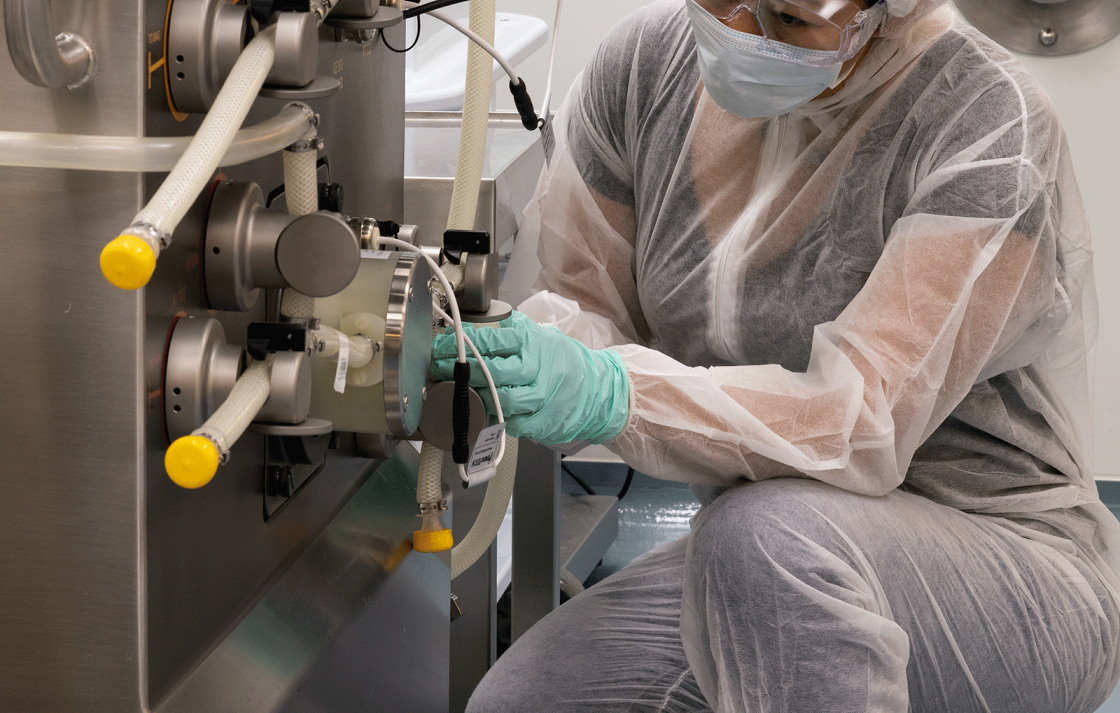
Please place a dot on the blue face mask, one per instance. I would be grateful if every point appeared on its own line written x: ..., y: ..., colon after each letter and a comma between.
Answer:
x: 751, y: 76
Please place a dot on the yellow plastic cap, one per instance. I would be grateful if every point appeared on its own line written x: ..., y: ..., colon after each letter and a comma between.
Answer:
x: 432, y: 540
x: 191, y: 461
x: 128, y: 262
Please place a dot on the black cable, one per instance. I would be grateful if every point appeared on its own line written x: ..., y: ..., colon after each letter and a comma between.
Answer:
x: 626, y: 485
x: 406, y: 49
x: 428, y: 6
x: 576, y: 478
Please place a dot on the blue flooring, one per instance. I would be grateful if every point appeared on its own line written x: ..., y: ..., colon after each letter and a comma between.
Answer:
x: 656, y: 511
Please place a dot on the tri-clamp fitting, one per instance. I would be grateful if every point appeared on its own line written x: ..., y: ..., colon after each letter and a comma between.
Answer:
x: 432, y: 535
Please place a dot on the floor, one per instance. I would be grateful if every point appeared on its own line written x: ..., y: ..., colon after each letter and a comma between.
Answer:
x: 655, y: 511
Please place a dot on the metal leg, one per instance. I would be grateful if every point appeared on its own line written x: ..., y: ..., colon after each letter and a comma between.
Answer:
x: 474, y: 634
x: 536, y: 536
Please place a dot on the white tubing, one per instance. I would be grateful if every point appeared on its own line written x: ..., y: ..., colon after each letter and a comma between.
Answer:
x: 301, y: 192
x: 476, y: 115
x: 240, y: 408
x: 493, y: 511
x: 429, y: 488
x: 301, y: 182
x: 147, y: 154
x: 551, y: 62
x: 158, y: 220
x: 477, y: 39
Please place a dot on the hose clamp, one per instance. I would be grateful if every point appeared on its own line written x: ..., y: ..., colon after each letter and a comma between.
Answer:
x: 305, y: 145
x: 429, y: 508
x: 150, y: 233
x: 219, y: 443
x: 373, y: 346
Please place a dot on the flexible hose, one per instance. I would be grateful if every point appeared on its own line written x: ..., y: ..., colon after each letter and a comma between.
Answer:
x: 490, y: 516
x: 240, y: 407
x: 476, y: 115
x: 428, y: 479
x: 147, y: 154
x: 129, y: 260
x: 301, y: 191
x: 192, y: 461
x: 187, y: 179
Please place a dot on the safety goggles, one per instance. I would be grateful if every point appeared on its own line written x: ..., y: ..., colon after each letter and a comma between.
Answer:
x: 834, y: 30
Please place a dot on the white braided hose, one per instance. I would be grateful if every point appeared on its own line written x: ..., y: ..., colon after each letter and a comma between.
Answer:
x: 157, y: 220
x: 301, y: 191
x: 490, y: 516
x: 429, y: 488
x: 242, y: 405
x: 476, y: 116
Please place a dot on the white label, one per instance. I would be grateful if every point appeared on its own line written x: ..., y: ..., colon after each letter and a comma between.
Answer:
x: 377, y: 254
x: 548, y: 140
x: 343, y: 363
x: 482, y: 465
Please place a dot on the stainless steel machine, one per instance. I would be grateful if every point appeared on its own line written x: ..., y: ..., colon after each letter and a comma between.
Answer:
x: 287, y: 583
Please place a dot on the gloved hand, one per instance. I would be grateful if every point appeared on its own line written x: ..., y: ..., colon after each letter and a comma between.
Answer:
x: 552, y: 388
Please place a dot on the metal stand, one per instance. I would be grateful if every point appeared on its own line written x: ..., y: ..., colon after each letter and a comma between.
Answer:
x: 536, y: 536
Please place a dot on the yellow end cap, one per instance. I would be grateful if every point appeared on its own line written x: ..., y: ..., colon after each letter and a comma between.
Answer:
x: 191, y: 461
x: 128, y: 262
x: 432, y: 540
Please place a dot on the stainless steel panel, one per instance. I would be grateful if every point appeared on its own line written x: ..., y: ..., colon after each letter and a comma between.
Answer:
x: 536, y: 536
x: 120, y: 588
x: 71, y: 495
x: 357, y: 618
x: 1045, y: 27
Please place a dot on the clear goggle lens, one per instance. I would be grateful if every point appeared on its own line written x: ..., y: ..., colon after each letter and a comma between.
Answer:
x: 833, y: 29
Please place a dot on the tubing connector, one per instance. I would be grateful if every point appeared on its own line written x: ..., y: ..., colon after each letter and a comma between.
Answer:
x: 432, y: 535
x: 129, y: 260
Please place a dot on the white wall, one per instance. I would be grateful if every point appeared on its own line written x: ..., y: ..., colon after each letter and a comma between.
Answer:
x: 582, y: 27
x: 1085, y: 90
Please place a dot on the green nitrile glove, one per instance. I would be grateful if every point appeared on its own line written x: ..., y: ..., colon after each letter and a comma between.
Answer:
x: 552, y: 388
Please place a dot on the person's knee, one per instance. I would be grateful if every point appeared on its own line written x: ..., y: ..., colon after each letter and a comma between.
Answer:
x: 786, y: 527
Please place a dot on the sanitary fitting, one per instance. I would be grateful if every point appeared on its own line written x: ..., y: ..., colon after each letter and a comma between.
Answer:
x: 432, y: 535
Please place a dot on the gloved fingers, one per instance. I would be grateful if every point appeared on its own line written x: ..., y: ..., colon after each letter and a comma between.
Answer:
x: 516, y: 370
x: 444, y: 370
x: 444, y: 345
x: 495, y: 342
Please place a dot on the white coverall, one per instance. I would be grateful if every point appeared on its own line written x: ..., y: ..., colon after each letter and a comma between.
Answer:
x: 862, y: 331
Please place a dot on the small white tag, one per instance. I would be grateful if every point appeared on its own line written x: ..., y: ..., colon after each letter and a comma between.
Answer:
x: 376, y: 254
x: 548, y: 140
x: 343, y: 363
x: 481, y: 466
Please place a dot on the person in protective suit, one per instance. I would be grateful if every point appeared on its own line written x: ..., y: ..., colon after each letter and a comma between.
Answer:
x: 826, y: 261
